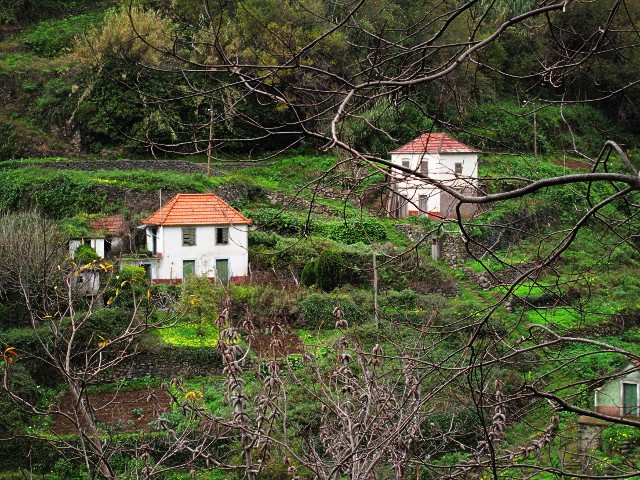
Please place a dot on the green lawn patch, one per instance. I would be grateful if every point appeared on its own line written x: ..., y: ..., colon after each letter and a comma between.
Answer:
x: 187, y: 336
x: 319, y: 337
x: 566, y: 318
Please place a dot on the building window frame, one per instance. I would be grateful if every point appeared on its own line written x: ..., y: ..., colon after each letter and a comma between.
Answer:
x: 424, y: 167
x: 223, y: 278
x: 192, y: 264
x: 457, y: 168
x: 188, y: 236
x: 222, y: 235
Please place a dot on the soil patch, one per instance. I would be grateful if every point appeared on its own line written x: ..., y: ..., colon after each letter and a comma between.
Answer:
x: 286, y: 344
x: 128, y: 410
x: 574, y: 163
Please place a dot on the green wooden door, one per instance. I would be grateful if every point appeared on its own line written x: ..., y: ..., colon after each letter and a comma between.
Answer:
x: 188, y: 268
x: 222, y: 270
x: 630, y: 398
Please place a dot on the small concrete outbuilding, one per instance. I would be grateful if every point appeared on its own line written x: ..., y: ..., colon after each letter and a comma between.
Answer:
x: 620, y: 396
x: 617, y: 397
x: 106, y: 239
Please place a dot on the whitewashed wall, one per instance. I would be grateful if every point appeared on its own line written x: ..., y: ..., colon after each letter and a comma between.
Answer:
x: 205, y: 252
x: 96, y: 243
x: 441, y: 169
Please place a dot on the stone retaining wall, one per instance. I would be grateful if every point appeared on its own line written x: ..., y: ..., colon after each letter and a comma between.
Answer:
x: 181, y: 166
x: 452, y: 248
x: 166, y: 363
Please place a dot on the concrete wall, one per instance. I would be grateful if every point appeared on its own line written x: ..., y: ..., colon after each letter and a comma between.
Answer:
x: 182, y: 166
x: 96, y: 243
x: 590, y: 433
x: 608, y: 398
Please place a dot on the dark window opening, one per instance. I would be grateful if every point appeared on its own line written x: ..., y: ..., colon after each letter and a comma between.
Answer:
x: 222, y: 235
x: 424, y: 167
x: 147, y: 270
x: 458, y: 168
x: 154, y: 240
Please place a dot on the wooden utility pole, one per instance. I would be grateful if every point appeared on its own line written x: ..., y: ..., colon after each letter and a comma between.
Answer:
x: 375, y: 290
x: 210, y: 146
x: 535, y: 135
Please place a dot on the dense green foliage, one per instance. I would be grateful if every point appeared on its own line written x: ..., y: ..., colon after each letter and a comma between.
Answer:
x: 81, y: 70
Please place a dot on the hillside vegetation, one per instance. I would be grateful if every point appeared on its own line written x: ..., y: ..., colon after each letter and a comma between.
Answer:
x: 309, y: 256
x: 76, y: 81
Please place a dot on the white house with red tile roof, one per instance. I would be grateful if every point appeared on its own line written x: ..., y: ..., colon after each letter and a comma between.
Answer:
x: 197, y: 234
x: 441, y: 158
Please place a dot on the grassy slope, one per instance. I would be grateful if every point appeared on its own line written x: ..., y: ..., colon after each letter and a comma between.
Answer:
x: 582, y: 267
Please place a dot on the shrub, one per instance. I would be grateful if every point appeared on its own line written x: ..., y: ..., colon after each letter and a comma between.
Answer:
x: 316, y: 311
x: 262, y: 239
x: 324, y: 272
x: 265, y: 303
x: 353, y: 230
x: 53, y: 37
x: 199, y: 299
x: 616, y: 437
x: 84, y: 254
x: 403, y: 299
x: 276, y: 220
x: 30, y: 454
x: 13, y: 311
x: 29, y: 342
x: 117, y: 37
x: 129, y: 287
x: 102, y: 325
x: 12, y: 419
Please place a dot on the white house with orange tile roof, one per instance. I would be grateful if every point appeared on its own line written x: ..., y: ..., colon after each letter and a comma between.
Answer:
x: 197, y: 234
x: 441, y: 158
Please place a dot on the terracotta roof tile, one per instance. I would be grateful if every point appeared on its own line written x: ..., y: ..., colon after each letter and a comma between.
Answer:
x: 434, y: 143
x: 196, y: 209
x: 113, y: 224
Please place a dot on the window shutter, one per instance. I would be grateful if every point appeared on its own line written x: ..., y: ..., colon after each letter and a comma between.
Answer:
x: 188, y: 236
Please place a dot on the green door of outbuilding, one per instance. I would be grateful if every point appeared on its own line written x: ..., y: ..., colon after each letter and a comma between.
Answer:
x: 630, y: 398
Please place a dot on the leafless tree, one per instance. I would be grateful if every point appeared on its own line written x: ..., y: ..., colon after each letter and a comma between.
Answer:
x: 376, y: 406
